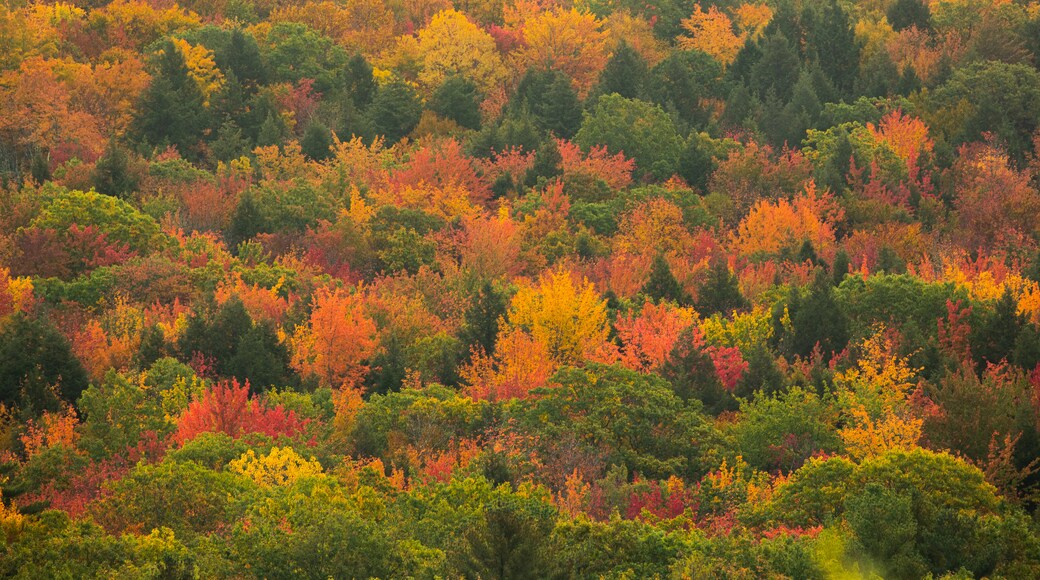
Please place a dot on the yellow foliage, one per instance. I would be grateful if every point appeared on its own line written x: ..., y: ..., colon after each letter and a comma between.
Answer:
x: 744, y: 330
x: 569, y: 319
x: 347, y: 402
x: 874, y: 393
x: 622, y: 25
x: 752, y: 19
x: 712, y: 32
x: 865, y: 437
x: 568, y: 41
x: 448, y: 202
x: 201, y: 67
x: 52, y: 429
x: 282, y: 466
x: 11, y: 522
x: 452, y: 45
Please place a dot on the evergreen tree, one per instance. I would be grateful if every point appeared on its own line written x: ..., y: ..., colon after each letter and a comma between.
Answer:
x: 172, y: 110
x: 903, y: 14
x: 547, y: 160
x: 259, y: 358
x: 840, y: 268
x: 625, y: 74
x: 359, y: 83
x: 480, y: 326
x: 836, y: 47
x: 777, y: 71
x: 662, y: 284
x: 816, y: 319
x: 38, y: 371
x: 692, y: 376
x: 696, y: 164
x: 241, y: 57
x: 112, y: 172
x: 456, y: 99
x: 246, y: 222
x: 395, y: 111
x: 229, y: 144
x: 995, y: 332
x: 316, y: 141
x: 720, y: 292
x: 272, y: 131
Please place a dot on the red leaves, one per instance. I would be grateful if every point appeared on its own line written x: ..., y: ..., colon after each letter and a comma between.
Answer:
x: 729, y: 365
x: 227, y: 408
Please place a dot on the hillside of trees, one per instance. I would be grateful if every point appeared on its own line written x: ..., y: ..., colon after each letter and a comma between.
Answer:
x: 520, y: 289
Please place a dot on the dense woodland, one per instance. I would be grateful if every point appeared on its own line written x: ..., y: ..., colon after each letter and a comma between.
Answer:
x: 520, y: 289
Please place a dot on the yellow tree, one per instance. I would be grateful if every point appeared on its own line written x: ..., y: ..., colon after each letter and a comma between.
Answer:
x: 337, y: 340
x: 452, y: 45
x: 874, y: 397
x: 569, y: 41
x: 201, y: 67
x: 569, y: 319
x: 752, y: 19
x: 711, y: 32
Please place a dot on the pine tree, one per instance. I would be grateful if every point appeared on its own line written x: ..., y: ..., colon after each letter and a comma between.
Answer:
x: 625, y: 73
x: 316, y: 141
x: 112, y: 172
x: 662, y: 284
x: 34, y: 359
x: 172, y: 109
x: 480, y: 328
x: 395, y: 111
x: 720, y: 292
x: 547, y: 161
x: 456, y: 99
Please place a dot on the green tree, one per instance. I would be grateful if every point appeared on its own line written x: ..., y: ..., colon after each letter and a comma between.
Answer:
x: 720, y: 292
x: 172, y: 110
x: 635, y: 420
x: 626, y: 73
x: 640, y: 130
x: 662, y: 285
x: 395, y: 111
x: 112, y: 174
x: 38, y: 371
x: 457, y: 99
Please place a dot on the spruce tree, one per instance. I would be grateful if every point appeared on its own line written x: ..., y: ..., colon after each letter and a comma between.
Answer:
x: 662, y: 284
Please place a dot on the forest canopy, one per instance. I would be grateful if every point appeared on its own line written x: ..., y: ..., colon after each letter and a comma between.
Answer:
x: 520, y: 289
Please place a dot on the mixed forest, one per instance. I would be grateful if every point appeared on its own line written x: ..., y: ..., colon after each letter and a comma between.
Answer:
x: 520, y: 289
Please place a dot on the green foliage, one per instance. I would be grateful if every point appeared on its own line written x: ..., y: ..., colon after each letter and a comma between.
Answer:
x: 782, y: 431
x: 395, y: 110
x: 114, y: 217
x: 643, y: 132
x: 172, y: 109
x: 457, y: 99
x: 38, y: 371
x: 633, y: 420
x: 1001, y: 98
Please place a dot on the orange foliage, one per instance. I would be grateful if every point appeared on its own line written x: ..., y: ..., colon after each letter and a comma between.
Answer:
x: 228, y: 408
x: 262, y: 304
x: 491, y: 246
x: 988, y: 221
x: 648, y: 339
x: 614, y: 170
x: 52, y: 429
x: 336, y: 341
x: 443, y: 165
x: 908, y: 136
x: 779, y: 228
x: 520, y: 363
